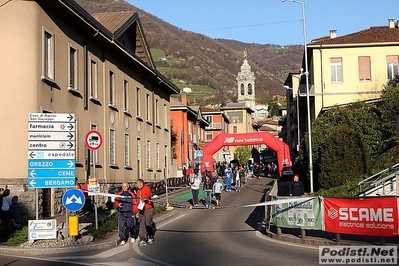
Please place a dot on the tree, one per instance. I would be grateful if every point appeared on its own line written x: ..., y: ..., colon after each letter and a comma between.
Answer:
x: 173, y: 140
x: 344, y: 156
x: 388, y: 109
x: 242, y: 154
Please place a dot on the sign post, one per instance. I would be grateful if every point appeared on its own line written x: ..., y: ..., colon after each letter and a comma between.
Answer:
x: 94, y: 141
x: 51, y: 151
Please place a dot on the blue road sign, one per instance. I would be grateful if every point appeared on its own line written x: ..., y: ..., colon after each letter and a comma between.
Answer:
x: 198, y: 153
x: 52, y: 183
x: 73, y: 200
x: 51, y: 164
x: 54, y: 173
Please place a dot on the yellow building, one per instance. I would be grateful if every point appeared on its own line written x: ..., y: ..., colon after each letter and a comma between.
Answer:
x: 343, y: 69
x: 57, y: 58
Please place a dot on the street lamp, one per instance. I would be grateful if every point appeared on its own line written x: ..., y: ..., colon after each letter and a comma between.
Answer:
x: 307, y: 93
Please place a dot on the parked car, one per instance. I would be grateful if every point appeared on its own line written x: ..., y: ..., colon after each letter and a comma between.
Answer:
x: 287, y: 173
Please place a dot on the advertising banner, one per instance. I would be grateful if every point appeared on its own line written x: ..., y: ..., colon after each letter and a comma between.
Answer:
x: 297, y: 213
x: 364, y: 216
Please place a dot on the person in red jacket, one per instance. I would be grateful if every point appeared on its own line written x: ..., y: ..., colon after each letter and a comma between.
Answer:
x: 126, y: 219
x: 144, y: 209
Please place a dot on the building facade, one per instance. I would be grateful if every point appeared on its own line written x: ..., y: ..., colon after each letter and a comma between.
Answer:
x: 342, y: 70
x: 57, y: 58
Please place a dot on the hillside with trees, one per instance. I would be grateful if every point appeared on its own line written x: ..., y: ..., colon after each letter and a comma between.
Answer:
x: 194, y: 60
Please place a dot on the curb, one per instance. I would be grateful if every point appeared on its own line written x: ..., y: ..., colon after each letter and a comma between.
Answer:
x: 113, y: 241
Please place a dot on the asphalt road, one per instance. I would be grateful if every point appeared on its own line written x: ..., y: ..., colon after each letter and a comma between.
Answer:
x: 227, y: 236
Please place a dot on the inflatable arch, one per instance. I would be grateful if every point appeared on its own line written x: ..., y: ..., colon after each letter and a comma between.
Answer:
x: 244, y: 139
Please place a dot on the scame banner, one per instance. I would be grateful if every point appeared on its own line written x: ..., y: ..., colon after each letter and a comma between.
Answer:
x: 367, y: 216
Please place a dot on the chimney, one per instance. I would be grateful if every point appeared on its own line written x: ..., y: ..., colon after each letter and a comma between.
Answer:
x: 333, y: 34
x: 184, y: 97
x: 391, y: 23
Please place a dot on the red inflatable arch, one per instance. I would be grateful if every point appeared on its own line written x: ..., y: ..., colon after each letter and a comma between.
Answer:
x: 244, y: 139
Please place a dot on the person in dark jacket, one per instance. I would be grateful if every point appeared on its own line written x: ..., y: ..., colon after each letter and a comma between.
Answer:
x: 126, y: 218
x: 296, y: 187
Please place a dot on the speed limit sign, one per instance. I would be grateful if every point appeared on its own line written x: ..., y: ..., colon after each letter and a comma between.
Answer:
x: 94, y: 140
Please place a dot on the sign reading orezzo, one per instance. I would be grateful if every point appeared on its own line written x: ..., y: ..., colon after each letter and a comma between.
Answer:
x: 368, y: 216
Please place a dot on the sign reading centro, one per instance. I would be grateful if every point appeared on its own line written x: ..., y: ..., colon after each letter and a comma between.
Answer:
x: 368, y: 216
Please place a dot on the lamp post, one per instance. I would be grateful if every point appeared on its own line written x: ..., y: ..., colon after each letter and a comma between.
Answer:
x: 307, y: 93
x: 298, y: 144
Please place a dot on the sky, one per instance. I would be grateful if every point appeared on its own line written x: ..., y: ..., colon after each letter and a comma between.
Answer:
x: 271, y: 21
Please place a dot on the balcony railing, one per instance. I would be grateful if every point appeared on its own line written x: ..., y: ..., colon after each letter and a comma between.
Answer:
x: 214, y: 126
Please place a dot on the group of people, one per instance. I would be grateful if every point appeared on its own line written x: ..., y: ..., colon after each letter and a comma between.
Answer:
x: 135, y: 207
x: 5, y: 203
x: 213, y: 184
x: 210, y: 188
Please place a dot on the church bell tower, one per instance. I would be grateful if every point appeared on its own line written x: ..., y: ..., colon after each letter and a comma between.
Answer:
x: 246, y: 84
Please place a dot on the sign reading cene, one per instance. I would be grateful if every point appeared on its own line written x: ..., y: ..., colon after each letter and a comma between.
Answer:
x: 51, y: 150
x: 94, y: 140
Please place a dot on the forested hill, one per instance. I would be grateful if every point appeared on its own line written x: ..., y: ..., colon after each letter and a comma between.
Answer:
x: 194, y: 59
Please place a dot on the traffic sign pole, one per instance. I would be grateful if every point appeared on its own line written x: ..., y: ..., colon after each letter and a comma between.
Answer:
x: 94, y: 141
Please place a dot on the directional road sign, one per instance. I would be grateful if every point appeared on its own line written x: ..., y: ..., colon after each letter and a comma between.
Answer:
x: 51, y: 145
x: 50, y: 117
x: 53, y: 173
x: 50, y: 164
x: 46, y: 127
x: 51, y: 136
x: 73, y: 200
x: 51, y: 150
x: 52, y: 155
x: 66, y: 182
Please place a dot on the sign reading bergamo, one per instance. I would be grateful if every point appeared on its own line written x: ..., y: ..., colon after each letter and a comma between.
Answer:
x: 51, y: 150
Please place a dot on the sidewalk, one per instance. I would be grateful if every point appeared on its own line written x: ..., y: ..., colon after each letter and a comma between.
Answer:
x: 322, y: 238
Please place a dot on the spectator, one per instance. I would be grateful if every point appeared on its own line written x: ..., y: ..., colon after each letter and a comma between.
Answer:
x: 6, y: 208
x: 144, y: 212
x: 195, y: 185
x: 296, y: 187
x: 126, y: 219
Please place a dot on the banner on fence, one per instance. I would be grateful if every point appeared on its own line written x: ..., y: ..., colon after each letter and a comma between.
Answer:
x: 366, y: 216
x: 298, y: 214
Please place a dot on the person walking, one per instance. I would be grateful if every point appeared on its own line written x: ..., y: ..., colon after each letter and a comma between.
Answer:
x: 144, y: 212
x: 126, y: 219
x: 217, y: 191
x: 195, y: 185
x: 208, y: 187
x: 189, y: 174
x: 239, y: 173
x: 229, y: 179
x: 296, y: 187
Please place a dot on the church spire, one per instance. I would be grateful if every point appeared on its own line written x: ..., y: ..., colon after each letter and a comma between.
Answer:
x: 246, y: 83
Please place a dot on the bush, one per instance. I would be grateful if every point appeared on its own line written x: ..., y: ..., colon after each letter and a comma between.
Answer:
x: 13, y: 237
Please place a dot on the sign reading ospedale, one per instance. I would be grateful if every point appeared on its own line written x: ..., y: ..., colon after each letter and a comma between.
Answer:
x: 368, y: 216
